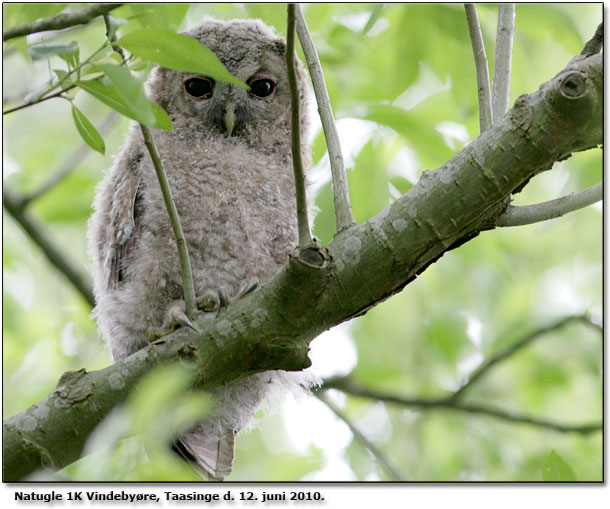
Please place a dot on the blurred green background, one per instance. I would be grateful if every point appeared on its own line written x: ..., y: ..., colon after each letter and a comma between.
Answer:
x: 402, y: 83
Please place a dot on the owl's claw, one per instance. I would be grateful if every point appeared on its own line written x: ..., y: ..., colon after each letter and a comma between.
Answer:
x: 214, y: 300
x: 249, y: 287
x: 175, y: 317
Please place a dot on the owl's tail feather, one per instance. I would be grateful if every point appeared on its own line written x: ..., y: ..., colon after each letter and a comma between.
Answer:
x: 211, y: 454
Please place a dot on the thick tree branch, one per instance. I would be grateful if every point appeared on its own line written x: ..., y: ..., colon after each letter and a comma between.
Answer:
x: 349, y: 386
x: 321, y: 287
x: 343, y: 208
x: 68, y: 267
x: 295, y: 132
x: 502, y: 61
x: 360, y: 437
x: 528, y: 214
x: 60, y: 21
x: 482, y: 69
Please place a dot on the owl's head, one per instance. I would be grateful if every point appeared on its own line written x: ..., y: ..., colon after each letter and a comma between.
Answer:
x: 254, y: 54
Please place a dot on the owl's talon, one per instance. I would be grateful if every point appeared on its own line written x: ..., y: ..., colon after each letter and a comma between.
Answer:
x: 249, y: 287
x: 175, y: 317
x: 209, y: 301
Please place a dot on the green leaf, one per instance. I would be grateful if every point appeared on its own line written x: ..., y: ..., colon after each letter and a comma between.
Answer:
x: 88, y: 131
x: 63, y: 78
x: 110, y: 95
x: 375, y: 15
x: 71, y: 58
x: 131, y: 92
x: 177, y: 51
x: 555, y: 469
x: 157, y: 15
x: 49, y: 50
x: 15, y: 14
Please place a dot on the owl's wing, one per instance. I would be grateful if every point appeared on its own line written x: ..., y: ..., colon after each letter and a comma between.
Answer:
x: 119, y: 211
x: 212, y: 455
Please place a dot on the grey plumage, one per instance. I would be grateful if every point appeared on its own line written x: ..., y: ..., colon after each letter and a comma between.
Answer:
x: 229, y: 166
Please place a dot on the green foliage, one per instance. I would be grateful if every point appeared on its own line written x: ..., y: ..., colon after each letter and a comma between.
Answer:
x: 87, y: 130
x: 555, y: 469
x: 176, y: 51
x: 402, y: 84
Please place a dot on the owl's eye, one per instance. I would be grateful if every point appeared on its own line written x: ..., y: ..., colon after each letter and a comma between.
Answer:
x: 262, y: 87
x: 199, y: 88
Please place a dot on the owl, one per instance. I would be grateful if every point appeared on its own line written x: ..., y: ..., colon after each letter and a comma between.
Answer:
x: 229, y: 165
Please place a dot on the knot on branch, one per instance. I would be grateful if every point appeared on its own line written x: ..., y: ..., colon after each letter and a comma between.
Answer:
x: 311, y: 255
x: 573, y: 86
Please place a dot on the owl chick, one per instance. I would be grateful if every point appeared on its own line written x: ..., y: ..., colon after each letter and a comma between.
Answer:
x: 229, y: 165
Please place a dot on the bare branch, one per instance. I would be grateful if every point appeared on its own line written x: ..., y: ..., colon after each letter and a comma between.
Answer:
x: 480, y: 60
x: 60, y: 21
x: 502, y: 62
x: 343, y: 208
x: 31, y: 103
x: 349, y: 386
x: 297, y: 163
x: 519, y: 216
x: 515, y: 347
x: 596, y: 43
x: 69, y: 164
x: 358, y: 435
x: 75, y: 274
x: 188, y: 287
x: 111, y: 36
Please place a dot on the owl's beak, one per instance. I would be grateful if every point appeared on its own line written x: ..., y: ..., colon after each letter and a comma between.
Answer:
x: 229, y: 118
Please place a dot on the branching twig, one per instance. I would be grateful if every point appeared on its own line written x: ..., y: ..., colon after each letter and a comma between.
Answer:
x: 595, y: 44
x: 519, y: 216
x: 78, y: 277
x: 349, y: 386
x: 111, y: 36
x: 375, y: 451
x: 188, y: 287
x: 60, y: 21
x: 343, y: 208
x: 69, y: 164
x: 502, y: 62
x: 31, y: 103
x: 482, y: 69
x: 299, y: 177
x: 512, y: 349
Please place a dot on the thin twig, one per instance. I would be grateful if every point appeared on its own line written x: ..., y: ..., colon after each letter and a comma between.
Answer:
x: 482, y: 69
x: 375, y: 451
x: 77, y: 276
x: 512, y: 349
x: 502, y: 62
x: 343, y: 208
x: 349, y: 386
x: 111, y: 36
x: 60, y: 21
x: 69, y: 164
x: 60, y: 92
x: 595, y: 44
x: 38, y: 101
x: 519, y: 216
x: 297, y: 162
x: 188, y: 287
